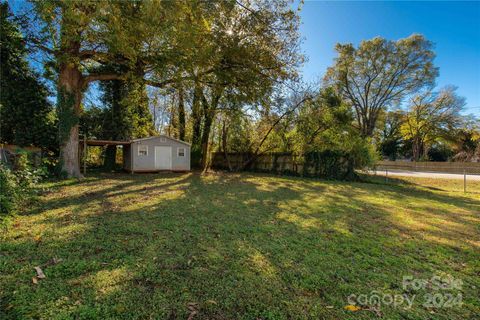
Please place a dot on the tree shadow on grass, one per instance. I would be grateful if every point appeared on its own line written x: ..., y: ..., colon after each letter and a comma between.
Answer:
x: 233, y: 246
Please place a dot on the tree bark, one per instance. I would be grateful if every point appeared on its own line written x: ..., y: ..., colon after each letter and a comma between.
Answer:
x: 110, y: 161
x: 209, y: 114
x: 207, y: 126
x: 70, y: 87
x: 181, y: 114
x: 196, y: 126
x: 196, y: 115
x: 224, y: 144
x: 416, y: 148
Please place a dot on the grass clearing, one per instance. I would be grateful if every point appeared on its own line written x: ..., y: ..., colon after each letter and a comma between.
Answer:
x: 238, y: 246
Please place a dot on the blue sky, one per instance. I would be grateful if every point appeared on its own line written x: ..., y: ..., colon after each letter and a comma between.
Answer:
x: 454, y: 27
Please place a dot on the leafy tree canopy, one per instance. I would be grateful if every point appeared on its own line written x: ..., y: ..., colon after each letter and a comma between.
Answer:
x: 26, y: 116
x: 380, y: 73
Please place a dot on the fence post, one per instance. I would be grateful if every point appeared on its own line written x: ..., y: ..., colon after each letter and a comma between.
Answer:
x: 464, y: 181
x: 386, y: 174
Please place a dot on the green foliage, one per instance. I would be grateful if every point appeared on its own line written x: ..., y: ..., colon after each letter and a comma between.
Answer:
x: 390, y: 140
x: 26, y: 174
x: 340, y: 162
x: 26, y: 117
x: 125, y: 115
x: 136, y: 111
x: 9, y: 195
x: 325, y: 135
x: 379, y: 73
x: 67, y: 115
x: 17, y: 187
x: 440, y: 152
x: 323, y: 122
x: 466, y: 142
x: 431, y: 116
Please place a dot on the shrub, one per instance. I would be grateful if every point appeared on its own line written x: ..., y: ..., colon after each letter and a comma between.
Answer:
x: 9, y: 194
x: 340, y: 163
x: 17, y: 187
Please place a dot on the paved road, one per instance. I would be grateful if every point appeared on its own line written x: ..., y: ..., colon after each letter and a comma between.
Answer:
x: 402, y: 173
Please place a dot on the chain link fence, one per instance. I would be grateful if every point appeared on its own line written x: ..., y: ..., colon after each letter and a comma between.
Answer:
x: 467, y: 171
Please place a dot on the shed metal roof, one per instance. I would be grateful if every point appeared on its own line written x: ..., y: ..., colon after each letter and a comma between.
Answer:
x: 106, y: 142
x: 161, y: 136
x: 116, y: 143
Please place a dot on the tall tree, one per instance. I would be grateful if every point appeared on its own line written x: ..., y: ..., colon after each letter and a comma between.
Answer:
x: 126, y: 115
x: 26, y: 116
x: 431, y: 115
x: 78, y: 36
x: 379, y: 73
x: 250, y: 48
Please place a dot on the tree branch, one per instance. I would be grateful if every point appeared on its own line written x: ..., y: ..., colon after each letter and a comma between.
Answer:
x: 102, y: 77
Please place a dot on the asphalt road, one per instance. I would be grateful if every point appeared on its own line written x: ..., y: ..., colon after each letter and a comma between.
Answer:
x: 436, y: 175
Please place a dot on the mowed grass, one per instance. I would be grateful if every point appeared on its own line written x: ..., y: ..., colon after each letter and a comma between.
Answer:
x: 238, y: 246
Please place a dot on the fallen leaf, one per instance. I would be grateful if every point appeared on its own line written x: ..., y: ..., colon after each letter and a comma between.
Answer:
x: 352, y: 308
x: 40, y: 274
x: 52, y: 261
x: 34, y: 280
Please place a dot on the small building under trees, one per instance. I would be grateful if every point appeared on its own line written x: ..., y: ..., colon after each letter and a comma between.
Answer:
x: 152, y: 154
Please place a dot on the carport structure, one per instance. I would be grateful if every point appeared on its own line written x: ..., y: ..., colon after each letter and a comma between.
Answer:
x: 84, y: 144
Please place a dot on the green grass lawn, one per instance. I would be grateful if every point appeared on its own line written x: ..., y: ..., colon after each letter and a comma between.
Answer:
x: 238, y: 246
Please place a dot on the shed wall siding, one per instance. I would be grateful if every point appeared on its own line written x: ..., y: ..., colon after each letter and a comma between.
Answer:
x: 145, y: 163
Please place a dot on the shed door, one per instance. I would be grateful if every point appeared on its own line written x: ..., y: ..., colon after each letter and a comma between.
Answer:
x: 163, y: 158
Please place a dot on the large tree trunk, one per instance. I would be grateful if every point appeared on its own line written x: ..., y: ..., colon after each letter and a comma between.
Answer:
x: 110, y: 161
x: 196, y: 115
x: 224, y: 144
x: 196, y: 126
x: 172, y: 127
x: 368, y: 126
x: 367, y: 120
x: 416, y: 148
x: 181, y: 115
x: 209, y: 115
x: 206, y: 136
x: 69, y: 98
